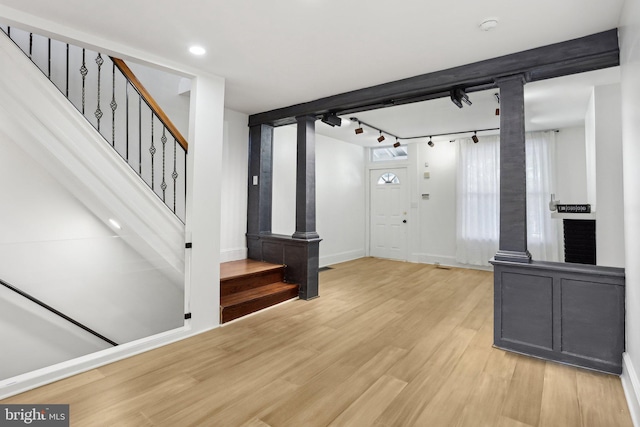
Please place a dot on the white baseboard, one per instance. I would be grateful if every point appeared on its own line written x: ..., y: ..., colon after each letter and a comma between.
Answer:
x: 447, y: 261
x: 631, y: 386
x: 340, y: 257
x: 227, y: 255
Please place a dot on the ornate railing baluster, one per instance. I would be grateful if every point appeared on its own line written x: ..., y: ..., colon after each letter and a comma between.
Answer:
x: 98, y: 112
x: 174, y: 175
x: 127, y: 120
x: 66, y: 92
x: 83, y: 72
x: 49, y: 58
x: 113, y: 105
x: 140, y: 135
x: 80, y: 85
x: 163, y: 186
x: 152, y: 150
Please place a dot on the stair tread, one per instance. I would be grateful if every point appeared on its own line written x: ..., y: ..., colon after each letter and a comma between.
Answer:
x: 256, y: 293
x: 245, y: 267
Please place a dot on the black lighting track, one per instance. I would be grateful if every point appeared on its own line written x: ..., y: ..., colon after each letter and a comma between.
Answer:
x: 56, y: 312
x: 406, y: 138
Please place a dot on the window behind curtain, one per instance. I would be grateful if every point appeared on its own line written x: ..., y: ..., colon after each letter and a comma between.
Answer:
x: 478, y: 199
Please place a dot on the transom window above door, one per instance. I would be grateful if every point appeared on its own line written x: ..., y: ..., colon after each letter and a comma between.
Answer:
x: 385, y: 154
x: 388, y: 178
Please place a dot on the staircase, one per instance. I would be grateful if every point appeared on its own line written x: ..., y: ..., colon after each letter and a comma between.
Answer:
x: 247, y: 286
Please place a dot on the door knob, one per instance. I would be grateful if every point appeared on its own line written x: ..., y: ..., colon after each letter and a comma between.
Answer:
x: 404, y: 221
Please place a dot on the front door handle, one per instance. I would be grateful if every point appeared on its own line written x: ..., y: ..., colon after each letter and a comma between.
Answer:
x: 404, y: 221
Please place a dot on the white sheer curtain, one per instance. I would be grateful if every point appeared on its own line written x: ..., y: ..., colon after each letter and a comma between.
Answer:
x: 478, y: 199
x: 542, y: 231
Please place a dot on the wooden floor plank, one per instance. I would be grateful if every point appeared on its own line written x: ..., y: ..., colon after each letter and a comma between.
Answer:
x: 371, y: 403
x: 524, y: 397
x: 560, y: 397
x: 387, y: 344
x: 601, y: 399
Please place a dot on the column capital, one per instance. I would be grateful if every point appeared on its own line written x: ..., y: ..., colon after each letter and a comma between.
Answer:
x: 306, y: 118
x: 523, y: 78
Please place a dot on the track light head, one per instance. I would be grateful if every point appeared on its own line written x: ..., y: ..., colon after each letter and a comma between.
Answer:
x: 458, y: 96
x: 381, y: 137
x: 455, y: 100
x: 430, y: 143
x: 331, y: 119
x: 397, y: 144
x: 359, y: 129
x: 474, y: 138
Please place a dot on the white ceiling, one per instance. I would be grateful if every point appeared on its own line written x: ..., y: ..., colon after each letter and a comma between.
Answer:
x: 275, y: 53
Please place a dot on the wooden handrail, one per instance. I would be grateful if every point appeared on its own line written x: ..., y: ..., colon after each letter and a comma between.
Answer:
x: 151, y: 102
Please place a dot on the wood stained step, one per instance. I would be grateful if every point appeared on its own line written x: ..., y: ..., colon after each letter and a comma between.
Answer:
x: 238, y: 276
x: 240, y: 304
x: 247, y: 286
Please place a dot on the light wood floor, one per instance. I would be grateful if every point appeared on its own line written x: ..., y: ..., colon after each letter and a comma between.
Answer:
x: 387, y: 344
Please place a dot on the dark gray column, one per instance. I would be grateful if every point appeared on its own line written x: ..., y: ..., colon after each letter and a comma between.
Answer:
x: 260, y: 186
x: 306, y: 179
x: 513, y: 172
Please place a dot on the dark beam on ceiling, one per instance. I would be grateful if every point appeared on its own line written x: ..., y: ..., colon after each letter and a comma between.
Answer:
x: 570, y: 57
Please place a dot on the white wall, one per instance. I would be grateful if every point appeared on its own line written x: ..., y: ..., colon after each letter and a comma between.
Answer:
x: 340, y: 200
x: 283, y: 210
x: 340, y: 194
x: 603, y: 142
x: 609, y: 187
x: 235, y: 158
x: 436, y: 225
x: 571, y: 166
x: 590, y: 152
x: 630, y: 88
x: 54, y: 248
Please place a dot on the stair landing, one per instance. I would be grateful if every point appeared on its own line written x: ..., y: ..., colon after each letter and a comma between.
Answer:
x: 247, y: 286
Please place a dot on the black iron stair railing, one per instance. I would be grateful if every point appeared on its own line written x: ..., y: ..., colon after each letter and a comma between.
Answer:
x: 56, y: 312
x: 137, y: 128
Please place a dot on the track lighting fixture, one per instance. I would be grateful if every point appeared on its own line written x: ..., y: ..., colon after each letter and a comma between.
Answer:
x: 458, y: 96
x: 497, y: 96
x: 331, y: 119
x: 430, y: 143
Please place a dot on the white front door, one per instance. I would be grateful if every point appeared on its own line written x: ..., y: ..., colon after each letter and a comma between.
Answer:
x: 389, y: 213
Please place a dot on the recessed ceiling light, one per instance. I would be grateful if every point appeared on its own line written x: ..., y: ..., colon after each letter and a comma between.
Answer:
x: 197, y: 50
x: 489, y: 24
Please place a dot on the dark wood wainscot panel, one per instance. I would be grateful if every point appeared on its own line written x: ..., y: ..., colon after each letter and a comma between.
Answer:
x: 300, y: 256
x: 569, y: 313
